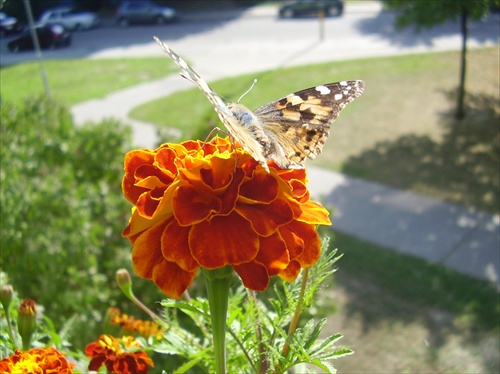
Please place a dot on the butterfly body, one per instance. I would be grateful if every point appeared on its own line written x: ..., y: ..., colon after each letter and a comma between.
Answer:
x: 286, y: 131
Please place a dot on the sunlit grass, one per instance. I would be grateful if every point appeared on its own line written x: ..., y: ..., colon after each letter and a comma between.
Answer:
x: 73, y: 81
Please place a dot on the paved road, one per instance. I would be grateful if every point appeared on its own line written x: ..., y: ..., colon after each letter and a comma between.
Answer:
x: 243, y: 37
x: 234, y: 43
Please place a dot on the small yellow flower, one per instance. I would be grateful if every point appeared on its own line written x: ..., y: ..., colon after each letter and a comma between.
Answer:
x: 136, y: 326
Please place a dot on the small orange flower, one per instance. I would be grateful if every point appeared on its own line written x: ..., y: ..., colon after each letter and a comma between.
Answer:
x: 121, y: 356
x: 136, y: 326
x: 209, y: 205
x: 36, y: 361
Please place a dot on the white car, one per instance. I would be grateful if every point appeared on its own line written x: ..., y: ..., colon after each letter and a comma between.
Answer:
x: 69, y: 18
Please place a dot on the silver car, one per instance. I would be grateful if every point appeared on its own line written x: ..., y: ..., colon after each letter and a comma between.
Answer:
x: 69, y: 18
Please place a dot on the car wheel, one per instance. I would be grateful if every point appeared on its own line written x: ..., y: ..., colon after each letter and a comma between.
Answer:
x: 123, y: 22
x: 288, y: 13
x: 78, y: 27
x: 14, y: 48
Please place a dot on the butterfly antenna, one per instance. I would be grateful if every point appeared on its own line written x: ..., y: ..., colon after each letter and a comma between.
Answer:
x: 247, y: 91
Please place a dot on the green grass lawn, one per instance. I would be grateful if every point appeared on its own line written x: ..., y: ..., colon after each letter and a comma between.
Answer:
x: 73, y: 81
x: 401, y: 132
x: 401, y: 314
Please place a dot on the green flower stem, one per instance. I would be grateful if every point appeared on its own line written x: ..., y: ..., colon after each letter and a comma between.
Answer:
x: 218, y: 282
x: 125, y: 283
x: 298, y: 311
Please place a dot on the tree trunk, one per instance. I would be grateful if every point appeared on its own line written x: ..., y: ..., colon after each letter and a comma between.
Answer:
x: 460, y: 114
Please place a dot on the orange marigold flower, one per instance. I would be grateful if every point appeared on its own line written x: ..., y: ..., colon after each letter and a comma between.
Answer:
x: 137, y: 326
x: 209, y: 205
x: 36, y: 361
x: 121, y: 356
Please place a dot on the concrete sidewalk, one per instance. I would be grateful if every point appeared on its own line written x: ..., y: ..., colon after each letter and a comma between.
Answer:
x: 417, y: 225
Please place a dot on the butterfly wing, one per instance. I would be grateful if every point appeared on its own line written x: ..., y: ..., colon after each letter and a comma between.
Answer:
x: 233, y: 126
x: 300, y: 122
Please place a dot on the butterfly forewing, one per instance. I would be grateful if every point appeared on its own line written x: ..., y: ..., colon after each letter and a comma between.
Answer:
x: 288, y: 130
x: 232, y: 125
x: 301, y: 121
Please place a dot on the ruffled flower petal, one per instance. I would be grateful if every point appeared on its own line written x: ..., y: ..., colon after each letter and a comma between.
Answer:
x: 223, y: 240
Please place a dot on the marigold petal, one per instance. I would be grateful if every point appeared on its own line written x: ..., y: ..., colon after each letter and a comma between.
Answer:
x: 139, y: 223
x: 263, y: 187
x: 299, y: 190
x: 273, y: 254
x: 96, y: 363
x: 223, y: 240
x: 220, y: 174
x: 146, y: 253
x: 266, y: 218
x: 175, y: 246
x: 146, y: 205
x: 171, y: 279
x: 133, y: 160
x: 312, y: 243
x: 190, y: 206
x: 253, y: 275
x: 165, y: 160
x: 291, y: 272
x: 294, y: 243
x: 313, y: 213
x: 291, y: 174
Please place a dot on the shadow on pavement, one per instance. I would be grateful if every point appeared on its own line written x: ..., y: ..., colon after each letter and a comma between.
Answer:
x: 382, y: 25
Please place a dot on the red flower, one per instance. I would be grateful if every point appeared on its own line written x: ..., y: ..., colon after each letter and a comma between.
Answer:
x: 209, y: 205
x: 36, y: 361
x: 121, y: 356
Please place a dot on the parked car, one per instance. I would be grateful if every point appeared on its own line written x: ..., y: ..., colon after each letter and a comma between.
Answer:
x: 9, y: 25
x: 49, y: 36
x: 311, y: 7
x: 136, y: 12
x: 69, y: 18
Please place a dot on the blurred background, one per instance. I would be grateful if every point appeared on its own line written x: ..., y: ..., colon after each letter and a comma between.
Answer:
x: 410, y: 172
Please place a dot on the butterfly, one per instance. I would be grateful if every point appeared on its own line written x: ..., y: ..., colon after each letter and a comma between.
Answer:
x: 286, y: 131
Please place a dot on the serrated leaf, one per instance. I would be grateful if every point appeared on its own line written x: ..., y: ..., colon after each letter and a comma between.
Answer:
x: 326, y: 343
x: 313, y: 335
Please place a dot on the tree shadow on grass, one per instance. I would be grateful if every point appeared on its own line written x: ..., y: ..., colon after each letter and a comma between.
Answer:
x: 462, y: 167
x: 389, y: 289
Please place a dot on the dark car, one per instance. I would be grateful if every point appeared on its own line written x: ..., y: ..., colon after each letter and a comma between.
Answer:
x: 49, y: 36
x: 9, y: 25
x: 141, y: 12
x: 311, y: 7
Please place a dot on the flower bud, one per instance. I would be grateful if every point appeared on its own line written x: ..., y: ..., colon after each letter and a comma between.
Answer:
x: 6, y: 293
x: 26, y: 321
x: 124, y: 282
